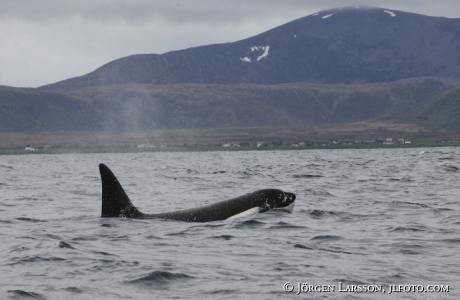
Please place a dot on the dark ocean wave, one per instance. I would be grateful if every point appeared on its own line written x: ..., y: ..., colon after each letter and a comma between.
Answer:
x: 320, y: 214
x: 103, y: 253
x: 227, y: 292
x: 159, y: 278
x: 19, y: 294
x: 411, y: 203
x: 366, y: 162
x: 284, y: 225
x: 307, y: 176
x: 451, y: 168
x: 222, y: 237
x: 300, y: 246
x: 33, y: 220
x: 322, y: 193
x: 452, y: 241
x: 32, y: 259
x: 326, y: 238
x: 248, y: 224
x: 73, y: 289
x: 410, y: 229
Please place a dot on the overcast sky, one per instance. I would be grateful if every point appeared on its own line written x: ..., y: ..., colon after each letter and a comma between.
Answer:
x: 44, y: 41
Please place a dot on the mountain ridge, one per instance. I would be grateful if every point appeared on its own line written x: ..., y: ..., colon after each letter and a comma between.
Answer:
x: 348, y: 45
x: 139, y: 107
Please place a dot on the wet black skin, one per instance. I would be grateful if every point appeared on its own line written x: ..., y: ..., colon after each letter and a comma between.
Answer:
x: 115, y: 203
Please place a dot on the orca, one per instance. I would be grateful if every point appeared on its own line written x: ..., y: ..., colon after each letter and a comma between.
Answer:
x: 116, y: 204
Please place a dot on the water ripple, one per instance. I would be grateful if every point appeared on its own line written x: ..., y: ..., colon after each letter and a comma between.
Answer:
x: 158, y: 279
x: 386, y: 216
x: 19, y: 294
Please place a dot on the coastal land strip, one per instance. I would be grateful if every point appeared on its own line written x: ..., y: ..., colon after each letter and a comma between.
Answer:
x: 353, y: 135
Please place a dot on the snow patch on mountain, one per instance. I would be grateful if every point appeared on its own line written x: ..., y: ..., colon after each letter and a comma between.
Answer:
x: 327, y: 16
x: 256, y: 48
x: 390, y: 12
x: 265, y: 54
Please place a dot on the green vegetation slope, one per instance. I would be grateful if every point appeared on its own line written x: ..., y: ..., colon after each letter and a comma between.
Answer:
x: 441, y: 112
x: 135, y: 107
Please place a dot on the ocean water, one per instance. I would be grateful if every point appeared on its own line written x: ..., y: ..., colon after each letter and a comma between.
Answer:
x: 385, y: 221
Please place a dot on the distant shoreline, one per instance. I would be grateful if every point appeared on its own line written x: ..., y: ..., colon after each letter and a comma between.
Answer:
x: 106, y: 149
x: 361, y: 135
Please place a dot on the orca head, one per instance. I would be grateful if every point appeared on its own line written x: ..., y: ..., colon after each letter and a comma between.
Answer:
x: 267, y: 199
x: 276, y: 199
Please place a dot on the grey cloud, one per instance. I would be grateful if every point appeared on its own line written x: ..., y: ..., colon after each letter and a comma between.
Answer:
x: 208, y: 11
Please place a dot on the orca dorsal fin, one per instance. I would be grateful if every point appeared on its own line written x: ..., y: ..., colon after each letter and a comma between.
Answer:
x: 115, y: 202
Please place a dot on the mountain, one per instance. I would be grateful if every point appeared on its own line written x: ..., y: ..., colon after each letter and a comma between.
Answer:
x: 438, y: 113
x: 346, y: 45
x: 134, y: 107
x: 335, y: 66
x: 27, y: 109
